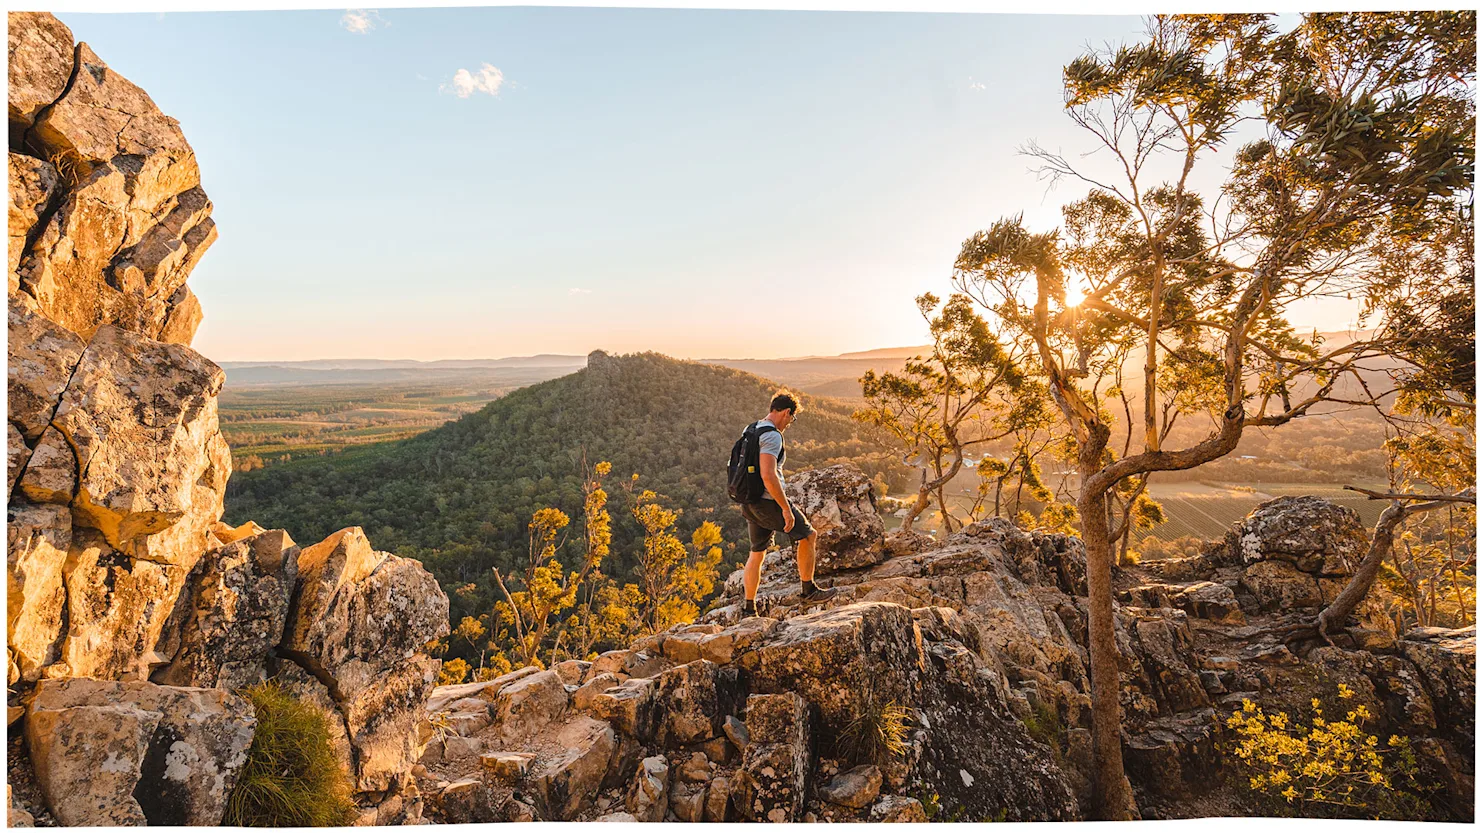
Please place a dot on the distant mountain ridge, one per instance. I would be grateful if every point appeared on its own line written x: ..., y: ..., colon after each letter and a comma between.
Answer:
x: 540, y: 360
x: 834, y: 376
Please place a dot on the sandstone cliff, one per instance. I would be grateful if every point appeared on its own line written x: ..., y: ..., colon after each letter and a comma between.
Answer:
x: 981, y: 636
x: 133, y: 613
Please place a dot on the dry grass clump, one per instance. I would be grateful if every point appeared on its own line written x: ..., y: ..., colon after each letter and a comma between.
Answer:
x: 292, y: 777
x: 876, y: 732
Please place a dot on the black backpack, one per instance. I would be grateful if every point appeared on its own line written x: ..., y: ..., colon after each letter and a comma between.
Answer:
x: 745, y: 483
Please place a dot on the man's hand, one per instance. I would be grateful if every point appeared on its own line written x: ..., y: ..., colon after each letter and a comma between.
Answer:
x: 790, y: 517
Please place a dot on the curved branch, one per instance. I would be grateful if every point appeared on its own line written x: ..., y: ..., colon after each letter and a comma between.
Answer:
x: 1383, y: 535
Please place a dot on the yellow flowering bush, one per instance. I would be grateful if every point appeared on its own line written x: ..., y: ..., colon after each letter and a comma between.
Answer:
x: 1329, y: 767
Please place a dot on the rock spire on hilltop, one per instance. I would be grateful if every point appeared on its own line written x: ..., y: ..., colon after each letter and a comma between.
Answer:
x: 133, y: 613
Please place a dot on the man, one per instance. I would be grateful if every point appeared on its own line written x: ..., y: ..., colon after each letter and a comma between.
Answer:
x: 773, y: 513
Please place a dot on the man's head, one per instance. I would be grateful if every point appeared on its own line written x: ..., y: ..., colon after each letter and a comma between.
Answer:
x: 784, y: 409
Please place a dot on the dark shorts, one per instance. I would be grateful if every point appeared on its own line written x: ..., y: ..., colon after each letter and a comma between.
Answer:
x: 765, y: 521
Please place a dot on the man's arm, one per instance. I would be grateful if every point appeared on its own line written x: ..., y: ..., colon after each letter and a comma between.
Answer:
x: 773, y: 488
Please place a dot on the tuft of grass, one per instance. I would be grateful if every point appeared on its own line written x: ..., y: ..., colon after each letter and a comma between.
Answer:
x: 1043, y: 726
x: 875, y: 732
x: 292, y: 777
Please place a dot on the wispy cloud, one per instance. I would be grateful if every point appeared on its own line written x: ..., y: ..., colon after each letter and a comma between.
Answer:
x: 361, y: 21
x: 576, y: 290
x: 975, y: 84
x: 486, y: 80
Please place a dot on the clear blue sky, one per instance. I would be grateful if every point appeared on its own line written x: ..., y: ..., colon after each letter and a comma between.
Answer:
x: 701, y: 183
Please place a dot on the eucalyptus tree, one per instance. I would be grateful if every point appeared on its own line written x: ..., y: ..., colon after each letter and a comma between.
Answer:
x: 1362, y: 143
x: 942, y: 405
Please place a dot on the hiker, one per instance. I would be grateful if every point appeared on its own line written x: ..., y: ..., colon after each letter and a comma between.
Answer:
x: 758, y: 485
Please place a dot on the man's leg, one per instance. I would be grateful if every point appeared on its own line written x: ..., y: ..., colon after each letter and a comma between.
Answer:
x: 807, y: 561
x: 806, y: 557
x: 760, y: 541
x: 753, y: 576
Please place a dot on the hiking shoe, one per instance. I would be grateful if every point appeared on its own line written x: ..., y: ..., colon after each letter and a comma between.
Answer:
x: 818, y: 596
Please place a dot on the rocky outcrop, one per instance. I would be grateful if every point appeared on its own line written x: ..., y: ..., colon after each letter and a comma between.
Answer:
x: 115, y: 425
x: 119, y: 239
x: 233, y: 613
x: 979, y: 639
x: 131, y: 610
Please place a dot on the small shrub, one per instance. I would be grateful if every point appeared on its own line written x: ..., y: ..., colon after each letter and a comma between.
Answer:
x: 292, y: 777
x: 1328, y: 767
x: 453, y: 672
x: 876, y: 732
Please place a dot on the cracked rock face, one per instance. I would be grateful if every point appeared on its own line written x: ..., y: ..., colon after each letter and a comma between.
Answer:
x: 118, y: 568
x: 113, y: 429
x: 123, y: 236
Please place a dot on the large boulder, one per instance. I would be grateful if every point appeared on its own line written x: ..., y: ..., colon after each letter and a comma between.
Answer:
x: 1315, y: 535
x: 839, y: 502
x: 358, y: 613
x: 140, y: 417
x: 232, y: 613
x: 134, y: 752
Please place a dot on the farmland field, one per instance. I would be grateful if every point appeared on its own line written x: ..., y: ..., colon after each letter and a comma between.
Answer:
x: 273, y: 413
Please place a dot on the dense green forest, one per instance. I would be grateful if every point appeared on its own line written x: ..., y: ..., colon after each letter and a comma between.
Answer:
x: 460, y: 497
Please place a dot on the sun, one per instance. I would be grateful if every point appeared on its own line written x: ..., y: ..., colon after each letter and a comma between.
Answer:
x: 1074, y: 289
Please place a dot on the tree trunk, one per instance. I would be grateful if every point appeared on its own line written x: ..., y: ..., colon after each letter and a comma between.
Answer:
x: 1388, y: 524
x: 1113, y: 800
x: 922, y: 500
x: 945, y: 514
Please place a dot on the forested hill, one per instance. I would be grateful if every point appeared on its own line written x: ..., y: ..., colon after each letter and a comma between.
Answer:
x: 460, y: 497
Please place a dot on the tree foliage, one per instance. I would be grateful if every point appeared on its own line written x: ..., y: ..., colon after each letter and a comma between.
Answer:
x: 964, y: 394
x: 1363, y: 149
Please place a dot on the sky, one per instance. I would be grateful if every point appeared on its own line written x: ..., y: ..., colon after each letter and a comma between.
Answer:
x: 486, y: 182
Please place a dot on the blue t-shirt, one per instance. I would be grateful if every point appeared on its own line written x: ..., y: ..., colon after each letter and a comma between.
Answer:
x: 771, y: 444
